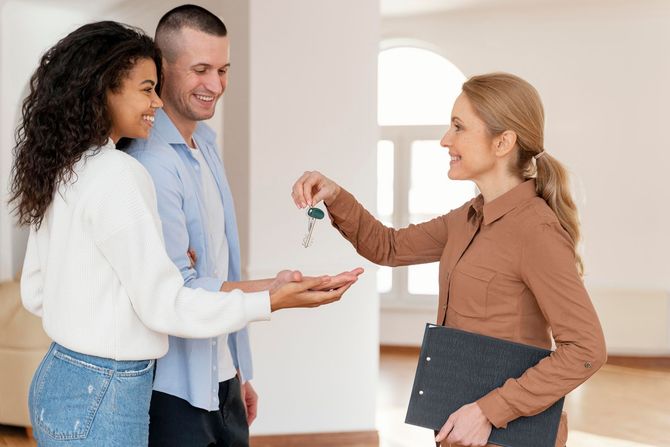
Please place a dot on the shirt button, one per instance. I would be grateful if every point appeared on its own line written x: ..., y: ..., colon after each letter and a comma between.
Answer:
x: 444, y: 307
x: 213, y: 342
x: 587, y: 365
x: 213, y: 368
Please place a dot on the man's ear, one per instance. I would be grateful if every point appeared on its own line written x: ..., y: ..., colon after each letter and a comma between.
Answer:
x: 504, y: 143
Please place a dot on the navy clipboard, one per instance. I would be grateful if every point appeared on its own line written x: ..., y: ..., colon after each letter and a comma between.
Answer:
x: 457, y: 368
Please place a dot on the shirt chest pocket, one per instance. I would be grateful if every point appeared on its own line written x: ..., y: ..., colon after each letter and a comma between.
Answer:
x: 469, y: 289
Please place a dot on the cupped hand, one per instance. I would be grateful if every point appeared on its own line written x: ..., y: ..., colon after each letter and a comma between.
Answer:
x: 340, y: 280
x: 309, y: 292
x: 313, y: 187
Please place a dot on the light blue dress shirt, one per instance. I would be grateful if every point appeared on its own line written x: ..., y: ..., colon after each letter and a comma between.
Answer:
x: 189, y: 369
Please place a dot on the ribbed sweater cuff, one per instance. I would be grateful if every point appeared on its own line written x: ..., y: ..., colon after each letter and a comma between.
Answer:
x: 257, y: 306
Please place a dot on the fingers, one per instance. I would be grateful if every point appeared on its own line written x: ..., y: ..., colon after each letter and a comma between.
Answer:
x: 302, y: 188
x: 190, y: 253
x: 311, y: 188
x: 252, y: 411
x: 307, y: 283
x: 251, y: 414
x: 339, y: 281
x: 446, y: 429
x: 328, y: 297
x: 334, y: 282
x: 286, y: 276
x: 251, y: 402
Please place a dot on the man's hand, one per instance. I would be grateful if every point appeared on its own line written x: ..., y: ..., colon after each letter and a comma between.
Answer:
x: 192, y: 257
x: 467, y: 426
x: 335, y: 282
x: 250, y: 399
x: 285, y: 277
x: 312, y: 187
x: 308, y: 292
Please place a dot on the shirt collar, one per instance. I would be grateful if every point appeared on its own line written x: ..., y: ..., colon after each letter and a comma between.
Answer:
x: 164, y: 126
x: 502, y: 205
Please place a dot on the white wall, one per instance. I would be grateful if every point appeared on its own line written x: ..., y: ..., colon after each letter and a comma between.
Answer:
x: 305, y: 100
x: 17, y: 62
x: 602, y: 70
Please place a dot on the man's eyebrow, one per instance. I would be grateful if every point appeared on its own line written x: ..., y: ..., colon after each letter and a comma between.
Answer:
x: 206, y: 65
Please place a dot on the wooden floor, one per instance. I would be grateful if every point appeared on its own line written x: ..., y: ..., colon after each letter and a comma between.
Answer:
x: 618, y: 407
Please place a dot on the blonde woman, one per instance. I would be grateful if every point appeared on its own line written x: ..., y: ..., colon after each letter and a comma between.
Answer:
x: 508, y: 261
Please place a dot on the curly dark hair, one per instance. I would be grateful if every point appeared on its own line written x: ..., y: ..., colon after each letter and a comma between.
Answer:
x: 66, y: 113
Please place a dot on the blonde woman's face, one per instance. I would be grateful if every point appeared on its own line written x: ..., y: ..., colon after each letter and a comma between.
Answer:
x: 469, y: 143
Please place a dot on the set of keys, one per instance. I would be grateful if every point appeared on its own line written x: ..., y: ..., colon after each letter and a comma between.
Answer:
x: 313, y: 214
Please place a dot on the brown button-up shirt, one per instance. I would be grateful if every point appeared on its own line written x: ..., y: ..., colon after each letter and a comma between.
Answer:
x: 507, y: 270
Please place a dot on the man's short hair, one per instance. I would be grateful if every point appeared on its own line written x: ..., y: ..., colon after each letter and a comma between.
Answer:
x: 186, y: 16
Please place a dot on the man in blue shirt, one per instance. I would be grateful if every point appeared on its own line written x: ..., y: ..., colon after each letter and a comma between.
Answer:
x: 198, y: 381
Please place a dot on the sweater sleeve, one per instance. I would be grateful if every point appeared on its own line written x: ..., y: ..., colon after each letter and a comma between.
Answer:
x: 32, y: 279
x: 548, y: 268
x: 126, y: 228
x: 415, y: 244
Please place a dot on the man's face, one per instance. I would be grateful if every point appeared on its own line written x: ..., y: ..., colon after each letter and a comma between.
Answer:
x: 197, y: 77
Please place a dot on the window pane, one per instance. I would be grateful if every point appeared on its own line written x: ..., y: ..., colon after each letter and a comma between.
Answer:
x: 415, y: 87
x: 384, y: 279
x: 431, y: 191
x: 384, y: 178
x: 423, y: 279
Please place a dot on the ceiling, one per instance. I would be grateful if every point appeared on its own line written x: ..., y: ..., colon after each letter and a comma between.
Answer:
x: 399, y: 8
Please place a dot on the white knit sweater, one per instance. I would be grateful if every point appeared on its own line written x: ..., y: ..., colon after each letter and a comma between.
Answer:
x: 97, y: 273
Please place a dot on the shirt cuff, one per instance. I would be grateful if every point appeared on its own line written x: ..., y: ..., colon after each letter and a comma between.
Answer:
x: 340, y: 207
x: 207, y: 283
x: 496, y: 409
x: 257, y: 306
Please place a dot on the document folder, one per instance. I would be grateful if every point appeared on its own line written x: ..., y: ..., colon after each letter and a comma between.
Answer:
x: 457, y: 368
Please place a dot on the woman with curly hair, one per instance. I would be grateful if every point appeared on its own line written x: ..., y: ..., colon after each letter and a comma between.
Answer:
x: 509, y: 266
x: 95, y: 269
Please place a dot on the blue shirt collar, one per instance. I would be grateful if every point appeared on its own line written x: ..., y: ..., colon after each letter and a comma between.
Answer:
x: 164, y: 126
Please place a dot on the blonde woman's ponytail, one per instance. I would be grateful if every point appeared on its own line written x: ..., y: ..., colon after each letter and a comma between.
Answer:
x: 507, y: 102
x: 552, y: 184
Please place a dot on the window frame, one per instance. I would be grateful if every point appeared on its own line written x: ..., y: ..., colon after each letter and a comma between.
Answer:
x: 402, y: 138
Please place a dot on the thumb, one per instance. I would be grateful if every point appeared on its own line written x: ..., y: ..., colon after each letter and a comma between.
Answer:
x: 446, y: 428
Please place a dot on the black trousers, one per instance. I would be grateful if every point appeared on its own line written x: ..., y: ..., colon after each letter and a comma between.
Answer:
x: 176, y: 423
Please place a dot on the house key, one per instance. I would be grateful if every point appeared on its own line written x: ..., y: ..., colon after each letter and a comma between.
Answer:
x: 313, y: 214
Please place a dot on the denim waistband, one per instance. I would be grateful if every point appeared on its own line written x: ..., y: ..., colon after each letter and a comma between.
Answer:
x: 103, y: 362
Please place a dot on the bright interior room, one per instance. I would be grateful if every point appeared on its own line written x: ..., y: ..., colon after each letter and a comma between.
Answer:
x: 362, y: 91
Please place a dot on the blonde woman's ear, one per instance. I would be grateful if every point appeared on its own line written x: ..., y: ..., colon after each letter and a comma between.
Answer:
x: 506, y: 142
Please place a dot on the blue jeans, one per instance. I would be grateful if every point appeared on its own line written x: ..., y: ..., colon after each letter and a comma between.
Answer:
x: 81, y: 400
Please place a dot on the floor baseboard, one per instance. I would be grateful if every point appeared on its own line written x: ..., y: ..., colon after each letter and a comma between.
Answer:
x: 346, y: 439
x: 658, y: 362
